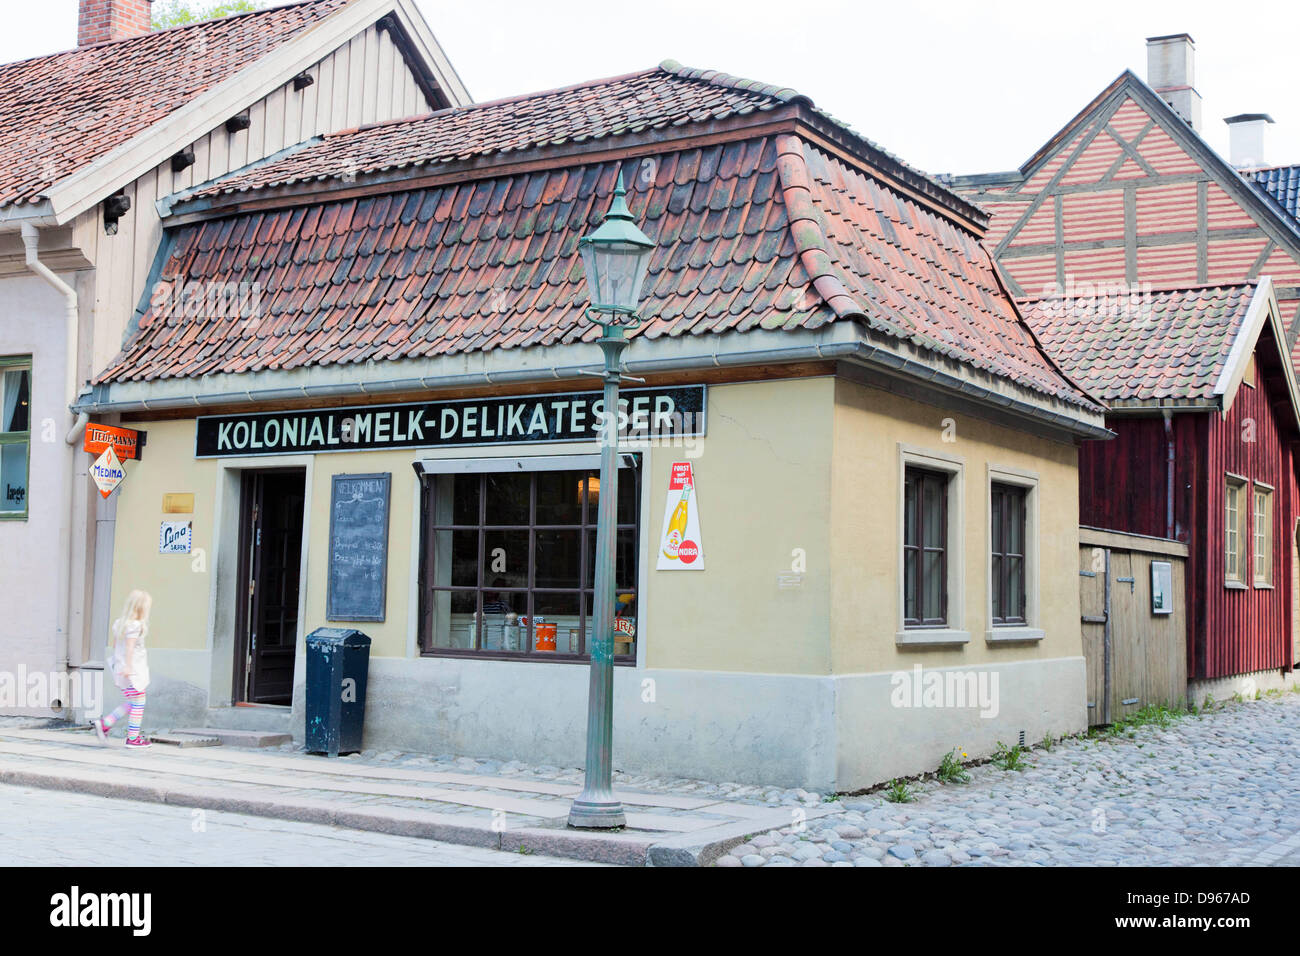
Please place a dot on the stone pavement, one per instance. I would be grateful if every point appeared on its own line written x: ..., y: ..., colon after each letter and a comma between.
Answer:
x: 477, y: 803
x: 44, y: 828
x: 1216, y: 788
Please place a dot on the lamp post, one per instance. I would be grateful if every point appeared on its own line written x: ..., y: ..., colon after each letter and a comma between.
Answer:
x: 615, y: 258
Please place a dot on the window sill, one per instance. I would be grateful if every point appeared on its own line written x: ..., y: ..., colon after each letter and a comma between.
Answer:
x: 931, y: 636
x: 1016, y: 633
x: 1263, y: 586
x: 1235, y: 586
x: 540, y: 657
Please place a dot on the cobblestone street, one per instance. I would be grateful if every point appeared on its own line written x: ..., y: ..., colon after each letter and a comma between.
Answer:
x: 53, y: 828
x: 1214, y: 789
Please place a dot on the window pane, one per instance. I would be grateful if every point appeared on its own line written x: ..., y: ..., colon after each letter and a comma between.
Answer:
x: 507, y: 499
x: 932, y: 513
x: 1015, y: 588
x: 14, y: 403
x: 13, y: 477
x: 453, y: 618
x: 505, y: 559
x: 997, y: 522
x: 559, y: 497
x: 627, y: 496
x: 624, y: 559
x: 997, y: 585
x: 1015, y: 522
x: 910, y: 558
x: 557, y: 560
x: 455, y: 559
x: 464, y: 495
x: 933, y: 597
x: 909, y: 512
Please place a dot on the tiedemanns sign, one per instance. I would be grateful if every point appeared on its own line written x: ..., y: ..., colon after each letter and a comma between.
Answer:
x: 643, y: 414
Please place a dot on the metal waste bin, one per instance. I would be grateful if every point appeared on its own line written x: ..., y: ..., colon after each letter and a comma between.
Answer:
x: 337, y: 661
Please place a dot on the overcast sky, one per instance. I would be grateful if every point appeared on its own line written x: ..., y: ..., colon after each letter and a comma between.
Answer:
x: 949, y: 86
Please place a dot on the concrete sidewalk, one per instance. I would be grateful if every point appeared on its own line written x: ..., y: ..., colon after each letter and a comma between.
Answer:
x: 514, y: 813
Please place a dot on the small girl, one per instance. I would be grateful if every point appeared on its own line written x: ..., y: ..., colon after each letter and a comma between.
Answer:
x: 130, y: 666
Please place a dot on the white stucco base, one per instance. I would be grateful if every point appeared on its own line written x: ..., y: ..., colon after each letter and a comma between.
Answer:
x: 825, y: 733
x: 1225, y: 688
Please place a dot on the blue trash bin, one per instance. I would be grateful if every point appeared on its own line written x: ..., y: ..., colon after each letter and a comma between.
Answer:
x: 337, y: 662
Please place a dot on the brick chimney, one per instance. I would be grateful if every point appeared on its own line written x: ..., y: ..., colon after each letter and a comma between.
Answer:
x: 1171, y: 73
x: 101, y: 20
x: 1246, y: 139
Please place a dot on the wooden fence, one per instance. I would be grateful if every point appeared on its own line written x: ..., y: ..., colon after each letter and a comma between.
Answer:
x: 1135, y: 656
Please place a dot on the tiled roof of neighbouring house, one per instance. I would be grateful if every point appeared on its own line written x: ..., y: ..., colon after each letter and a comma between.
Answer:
x: 1169, y: 344
x: 1281, y: 183
x: 61, y: 112
x: 767, y: 232
x: 665, y: 98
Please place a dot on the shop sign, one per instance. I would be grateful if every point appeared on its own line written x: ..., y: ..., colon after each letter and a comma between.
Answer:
x: 681, y: 546
x: 107, y: 472
x: 127, y: 443
x: 646, y: 413
x: 175, y: 537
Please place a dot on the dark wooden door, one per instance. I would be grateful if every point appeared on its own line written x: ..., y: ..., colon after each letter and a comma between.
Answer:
x: 273, y: 515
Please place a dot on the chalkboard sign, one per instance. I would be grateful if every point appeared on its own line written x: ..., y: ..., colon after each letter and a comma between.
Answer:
x: 358, y: 566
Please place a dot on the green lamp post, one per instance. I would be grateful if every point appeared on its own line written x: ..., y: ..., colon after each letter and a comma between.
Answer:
x: 615, y: 258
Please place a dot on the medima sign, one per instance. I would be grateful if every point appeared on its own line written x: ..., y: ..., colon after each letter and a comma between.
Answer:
x: 643, y: 414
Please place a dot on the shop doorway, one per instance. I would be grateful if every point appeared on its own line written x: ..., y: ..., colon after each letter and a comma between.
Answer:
x: 270, y: 551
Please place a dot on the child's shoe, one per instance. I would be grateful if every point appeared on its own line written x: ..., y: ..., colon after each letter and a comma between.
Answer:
x: 138, y: 742
x: 100, y: 731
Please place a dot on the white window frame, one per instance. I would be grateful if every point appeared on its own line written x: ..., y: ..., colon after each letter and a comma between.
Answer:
x: 955, y: 467
x: 1262, y: 582
x: 1031, y: 629
x: 1242, y: 530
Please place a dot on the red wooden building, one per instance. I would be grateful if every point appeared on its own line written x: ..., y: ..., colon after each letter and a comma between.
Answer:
x: 1203, y: 404
x: 1166, y: 279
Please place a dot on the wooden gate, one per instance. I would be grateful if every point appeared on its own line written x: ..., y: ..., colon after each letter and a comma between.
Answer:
x: 1135, y: 657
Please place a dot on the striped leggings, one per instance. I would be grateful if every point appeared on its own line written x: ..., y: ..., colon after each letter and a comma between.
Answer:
x: 135, y: 701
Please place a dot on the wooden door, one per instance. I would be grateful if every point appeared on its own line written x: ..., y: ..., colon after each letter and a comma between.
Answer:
x: 272, y: 534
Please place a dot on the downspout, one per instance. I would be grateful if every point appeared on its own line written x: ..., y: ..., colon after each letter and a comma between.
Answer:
x: 73, y: 502
x: 1169, y: 472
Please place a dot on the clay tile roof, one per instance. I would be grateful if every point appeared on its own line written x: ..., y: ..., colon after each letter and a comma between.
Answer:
x: 1280, y: 183
x: 1167, y: 344
x: 61, y: 112
x: 766, y: 232
x: 664, y: 98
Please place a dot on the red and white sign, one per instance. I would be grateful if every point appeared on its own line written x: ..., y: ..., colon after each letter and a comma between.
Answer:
x: 680, y: 545
x: 107, y: 472
x: 127, y: 443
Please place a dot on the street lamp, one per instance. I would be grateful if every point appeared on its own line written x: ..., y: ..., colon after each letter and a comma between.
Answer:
x: 615, y: 258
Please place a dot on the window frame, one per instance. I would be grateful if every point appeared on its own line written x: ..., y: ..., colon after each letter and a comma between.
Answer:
x: 629, y: 470
x: 999, y: 584
x: 1260, y: 489
x: 921, y: 478
x: 952, y: 631
x: 11, y: 363
x: 1235, y: 580
x: 1031, y: 629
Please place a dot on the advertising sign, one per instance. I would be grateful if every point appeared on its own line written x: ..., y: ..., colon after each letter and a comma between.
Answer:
x: 107, y: 472
x: 649, y: 413
x: 681, y: 547
x: 127, y: 443
x: 175, y: 537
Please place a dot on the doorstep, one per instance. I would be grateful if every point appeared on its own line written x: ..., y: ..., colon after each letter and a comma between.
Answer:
x: 509, y: 813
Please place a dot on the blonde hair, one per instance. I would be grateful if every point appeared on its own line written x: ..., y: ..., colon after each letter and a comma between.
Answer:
x: 137, y: 608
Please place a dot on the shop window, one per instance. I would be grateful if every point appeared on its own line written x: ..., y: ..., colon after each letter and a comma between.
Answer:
x: 1234, y: 541
x: 15, y: 435
x: 925, y: 548
x: 1008, y: 553
x: 1263, y: 536
x: 509, y: 560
